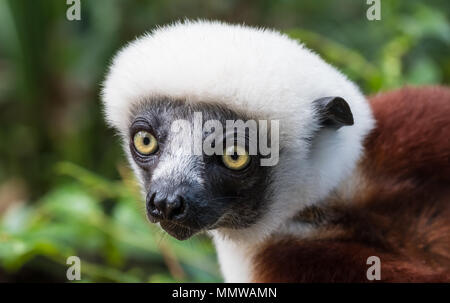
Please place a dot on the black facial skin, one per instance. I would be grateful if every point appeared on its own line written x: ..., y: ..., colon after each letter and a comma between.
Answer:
x: 227, y: 199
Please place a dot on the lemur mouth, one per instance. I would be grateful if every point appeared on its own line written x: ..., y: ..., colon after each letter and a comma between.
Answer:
x: 178, y: 231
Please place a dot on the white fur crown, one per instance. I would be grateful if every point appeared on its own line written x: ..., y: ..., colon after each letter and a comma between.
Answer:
x: 252, y: 69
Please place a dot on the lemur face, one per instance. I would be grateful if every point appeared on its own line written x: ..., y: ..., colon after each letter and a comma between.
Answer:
x: 232, y: 72
x: 185, y: 192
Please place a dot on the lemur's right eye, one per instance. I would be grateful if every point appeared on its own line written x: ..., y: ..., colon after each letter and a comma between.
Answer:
x: 145, y: 143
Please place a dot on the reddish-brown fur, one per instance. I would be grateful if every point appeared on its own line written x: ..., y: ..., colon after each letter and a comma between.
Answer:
x: 402, y: 214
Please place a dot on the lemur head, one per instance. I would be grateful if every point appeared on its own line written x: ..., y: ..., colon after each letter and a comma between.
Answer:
x: 182, y: 86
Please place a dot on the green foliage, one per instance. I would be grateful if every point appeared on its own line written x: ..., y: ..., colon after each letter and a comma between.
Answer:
x: 101, y: 222
x: 54, y: 144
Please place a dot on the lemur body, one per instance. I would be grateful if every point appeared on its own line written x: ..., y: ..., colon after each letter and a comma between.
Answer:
x: 395, y: 206
x: 343, y: 189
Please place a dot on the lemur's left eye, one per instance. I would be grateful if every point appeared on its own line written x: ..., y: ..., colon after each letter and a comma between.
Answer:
x: 145, y: 143
x: 236, y: 158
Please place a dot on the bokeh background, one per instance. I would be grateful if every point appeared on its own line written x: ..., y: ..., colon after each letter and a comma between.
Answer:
x: 65, y: 188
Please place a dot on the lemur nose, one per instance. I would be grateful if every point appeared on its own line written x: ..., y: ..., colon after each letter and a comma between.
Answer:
x: 167, y: 207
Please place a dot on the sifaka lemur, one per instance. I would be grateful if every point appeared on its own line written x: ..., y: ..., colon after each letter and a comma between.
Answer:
x: 353, y: 177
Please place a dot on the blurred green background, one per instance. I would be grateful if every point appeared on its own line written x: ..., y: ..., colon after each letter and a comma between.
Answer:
x: 65, y: 188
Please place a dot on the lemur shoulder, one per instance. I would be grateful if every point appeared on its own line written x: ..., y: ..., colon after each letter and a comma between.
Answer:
x: 355, y: 177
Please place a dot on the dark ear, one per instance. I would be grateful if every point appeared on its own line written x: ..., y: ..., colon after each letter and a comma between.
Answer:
x: 334, y: 112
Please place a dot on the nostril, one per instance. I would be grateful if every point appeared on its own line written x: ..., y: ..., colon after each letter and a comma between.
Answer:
x: 177, y: 207
x: 150, y: 202
x: 151, y: 206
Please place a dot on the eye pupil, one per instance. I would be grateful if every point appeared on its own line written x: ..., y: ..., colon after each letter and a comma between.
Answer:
x: 146, y: 141
x: 235, y: 156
